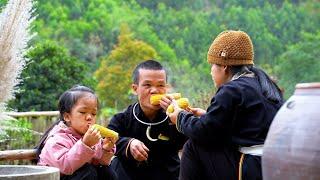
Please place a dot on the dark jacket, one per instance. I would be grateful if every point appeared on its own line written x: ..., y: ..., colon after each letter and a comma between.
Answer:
x: 239, y: 115
x: 163, y: 161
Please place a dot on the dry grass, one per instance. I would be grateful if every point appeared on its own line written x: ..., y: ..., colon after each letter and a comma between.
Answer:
x: 15, y: 20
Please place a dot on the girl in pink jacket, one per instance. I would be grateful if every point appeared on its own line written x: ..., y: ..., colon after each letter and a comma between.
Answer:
x: 72, y: 144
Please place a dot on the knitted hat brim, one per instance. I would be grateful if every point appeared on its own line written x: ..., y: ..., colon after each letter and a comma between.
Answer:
x: 229, y: 61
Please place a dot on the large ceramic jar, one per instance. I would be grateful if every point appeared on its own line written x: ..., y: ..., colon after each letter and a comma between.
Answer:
x: 28, y: 172
x: 292, y: 147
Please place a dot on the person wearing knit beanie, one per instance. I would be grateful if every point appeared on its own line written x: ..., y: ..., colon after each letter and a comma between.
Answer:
x: 226, y: 140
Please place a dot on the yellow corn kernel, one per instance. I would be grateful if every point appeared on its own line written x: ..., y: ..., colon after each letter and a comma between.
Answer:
x: 175, y: 95
x: 155, y: 98
x: 183, y: 103
x: 105, y: 132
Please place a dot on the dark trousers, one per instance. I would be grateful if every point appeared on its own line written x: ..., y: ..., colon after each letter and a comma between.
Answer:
x: 216, y: 163
x: 91, y: 172
x: 144, y: 172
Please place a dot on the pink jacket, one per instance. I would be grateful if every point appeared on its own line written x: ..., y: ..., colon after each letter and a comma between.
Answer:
x: 65, y: 150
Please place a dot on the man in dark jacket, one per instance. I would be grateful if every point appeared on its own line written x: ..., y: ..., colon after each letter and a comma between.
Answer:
x: 149, y: 144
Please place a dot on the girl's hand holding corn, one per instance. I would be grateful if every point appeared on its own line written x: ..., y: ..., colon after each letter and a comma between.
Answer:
x: 109, y: 148
x: 108, y: 144
x: 91, y: 137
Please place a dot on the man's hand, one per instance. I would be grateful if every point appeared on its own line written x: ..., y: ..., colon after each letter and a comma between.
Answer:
x: 91, y: 137
x: 138, y: 150
x: 166, y: 101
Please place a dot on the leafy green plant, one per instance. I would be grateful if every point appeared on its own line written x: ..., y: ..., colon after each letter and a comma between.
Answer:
x: 300, y: 63
x: 17, y: 134
x: 51, y: 71
x: 114, y: 73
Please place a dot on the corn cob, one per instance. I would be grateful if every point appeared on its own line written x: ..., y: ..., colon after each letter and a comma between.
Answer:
x: 105, y: 132
x: 183, y: 103
x: 155, y: 98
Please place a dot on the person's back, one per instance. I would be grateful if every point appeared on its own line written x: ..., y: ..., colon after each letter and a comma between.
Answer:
x: 226, y: 141
x: 254, y: 113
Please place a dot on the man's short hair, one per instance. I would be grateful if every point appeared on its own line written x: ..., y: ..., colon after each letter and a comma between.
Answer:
x: 149, y: 65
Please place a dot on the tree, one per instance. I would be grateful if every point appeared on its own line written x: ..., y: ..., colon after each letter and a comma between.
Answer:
x: 300, y: 63
x: 51, y: 72
x: 181, y: 31
x: 114, y: 73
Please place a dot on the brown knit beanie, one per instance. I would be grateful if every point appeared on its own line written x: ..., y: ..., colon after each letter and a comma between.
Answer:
x: 231, y: 48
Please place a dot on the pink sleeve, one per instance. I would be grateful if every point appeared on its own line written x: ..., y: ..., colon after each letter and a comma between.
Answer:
x: 60, y: 153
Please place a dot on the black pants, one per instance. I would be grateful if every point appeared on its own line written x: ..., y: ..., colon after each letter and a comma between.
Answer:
x: 216, y: 163
x: 91, y: 172
x: 144, y: 172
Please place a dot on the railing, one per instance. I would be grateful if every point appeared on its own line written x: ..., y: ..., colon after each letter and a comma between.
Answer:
x: 18, y: 154
x: 32, y: 114
x: 40, y: 121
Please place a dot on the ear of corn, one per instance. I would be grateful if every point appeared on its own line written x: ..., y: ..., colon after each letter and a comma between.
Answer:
x: 105, y: 132
x: 155, y: 98
x: 183, y: 103
x: 175, y: 95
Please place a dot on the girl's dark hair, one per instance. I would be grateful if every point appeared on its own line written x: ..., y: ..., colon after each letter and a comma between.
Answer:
x: 66, y: 101
x: 269, y: 88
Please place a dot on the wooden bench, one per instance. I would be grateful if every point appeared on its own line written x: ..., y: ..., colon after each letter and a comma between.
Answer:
x: 19, y: 154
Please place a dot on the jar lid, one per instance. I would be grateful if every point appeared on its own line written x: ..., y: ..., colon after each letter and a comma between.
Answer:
x: 308, y: 85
